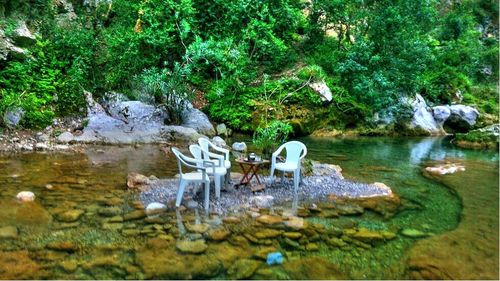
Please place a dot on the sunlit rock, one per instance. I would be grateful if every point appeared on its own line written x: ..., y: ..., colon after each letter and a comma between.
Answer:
x: 26, y: 196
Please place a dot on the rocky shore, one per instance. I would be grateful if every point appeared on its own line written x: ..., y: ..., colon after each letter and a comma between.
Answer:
x: 325, y: 183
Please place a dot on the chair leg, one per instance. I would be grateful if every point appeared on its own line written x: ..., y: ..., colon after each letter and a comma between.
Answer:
x: 228, y: 176
x: 207, y: 194
x: 282, y: 177
x: 217, y: 180
x: 296, y: 179
x: 272, y: 174
x: 180, y: 192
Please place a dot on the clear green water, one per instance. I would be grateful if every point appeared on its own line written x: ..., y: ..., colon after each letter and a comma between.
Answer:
x: 94, y: 181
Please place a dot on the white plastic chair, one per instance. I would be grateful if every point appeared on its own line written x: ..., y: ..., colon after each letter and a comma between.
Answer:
x: 218, y: 171
x: 196, y: 177
x: 295, y: 152
x: 206, y: 145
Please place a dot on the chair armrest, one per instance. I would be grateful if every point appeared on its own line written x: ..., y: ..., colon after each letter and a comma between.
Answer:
x: 220, y: 149
x: 217, y: 157
x: 209, y: 164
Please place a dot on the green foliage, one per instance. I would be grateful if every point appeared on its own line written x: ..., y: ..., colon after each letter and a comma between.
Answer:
x: 271, y: 135
x: 168, y: 89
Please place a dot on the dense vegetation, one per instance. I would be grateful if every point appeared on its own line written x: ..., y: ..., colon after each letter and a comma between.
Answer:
x: 253, y: 60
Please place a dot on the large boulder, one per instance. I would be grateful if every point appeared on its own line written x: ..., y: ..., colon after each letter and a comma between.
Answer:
x: 194, y: 118
x: 423, y: 121
x: 22, y: 36
x: 462, y: 117
x: 129, y: 122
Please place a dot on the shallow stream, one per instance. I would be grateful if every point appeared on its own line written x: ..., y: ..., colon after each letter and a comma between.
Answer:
x: 85, y: 224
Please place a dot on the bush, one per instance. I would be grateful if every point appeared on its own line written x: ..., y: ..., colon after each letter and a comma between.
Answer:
x: 269, y: 136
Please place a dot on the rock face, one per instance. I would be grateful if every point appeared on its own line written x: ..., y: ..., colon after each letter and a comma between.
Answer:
x: 422, y: 120
x: 22, y: 35
x: 13, y: 116
x: 322, y: 90
x: 218, y: 141
x: 128, y: 122
x: 8, y: 50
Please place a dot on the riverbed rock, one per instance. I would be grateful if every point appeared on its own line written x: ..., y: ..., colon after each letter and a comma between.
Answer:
x: 26, y: 196
x: 413, y: 233
x: 369, y: 236
x: 64, y: 246
x: 197, y: 120
x: 243, y: 269
x: 159, y: 261
x: 269, y: 219
x: 110, y: 211
x: 17, y: 265
x: 8, y: 232
x: 155, y: 208
x: 445, y: 169
x: 313, y: 268
x: 218, y: 234
x: 70, y: 216
x: 262, y: 201
x: 134, y: 215
x: 267, y: 233
x: 137, y: 181
x: 30, y: 214
x: 191, y: 247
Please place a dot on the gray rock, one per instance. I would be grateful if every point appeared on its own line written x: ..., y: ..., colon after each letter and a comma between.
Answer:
x: 493, y: 130
x: 322, y: 90
x: 8, y: 232
x: 423, y: 119
x: 8, y: 50
x: 65, y: 137
x: 13, y: 117
x: 180, y: 133
x: 222, y: 130
x: 463, y: 116
x: 194, y: 118
x: 262, y: 201
x: 22, y: 36
x: 218, y: 141
x: 41, y: 137
x: 41, y: 146
x: 239, y: 146
x: 441, y: 113
x: 155, y: 207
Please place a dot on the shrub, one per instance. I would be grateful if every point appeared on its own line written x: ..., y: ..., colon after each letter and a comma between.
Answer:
x: 269, y: 136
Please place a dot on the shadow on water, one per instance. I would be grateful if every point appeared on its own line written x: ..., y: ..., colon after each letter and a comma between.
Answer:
x: 84, y: 224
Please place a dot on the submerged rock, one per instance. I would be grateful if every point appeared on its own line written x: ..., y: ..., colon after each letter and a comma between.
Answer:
x: 17, y: 265
x: 191, y: 247
x: 70, y: 216
x: 243, y: 269
x: 313, y: 268
x: 413, y: 233
x: 445, y: 169
x: 8, y: 232
x: 369, y: 236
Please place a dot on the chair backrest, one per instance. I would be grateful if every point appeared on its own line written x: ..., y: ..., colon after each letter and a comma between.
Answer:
x: 205, y: 144
x: 197, y: 153
x: 184, y: 160
x: 295, y: 151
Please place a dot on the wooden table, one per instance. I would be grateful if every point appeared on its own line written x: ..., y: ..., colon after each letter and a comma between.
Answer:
x: 250, y: 170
